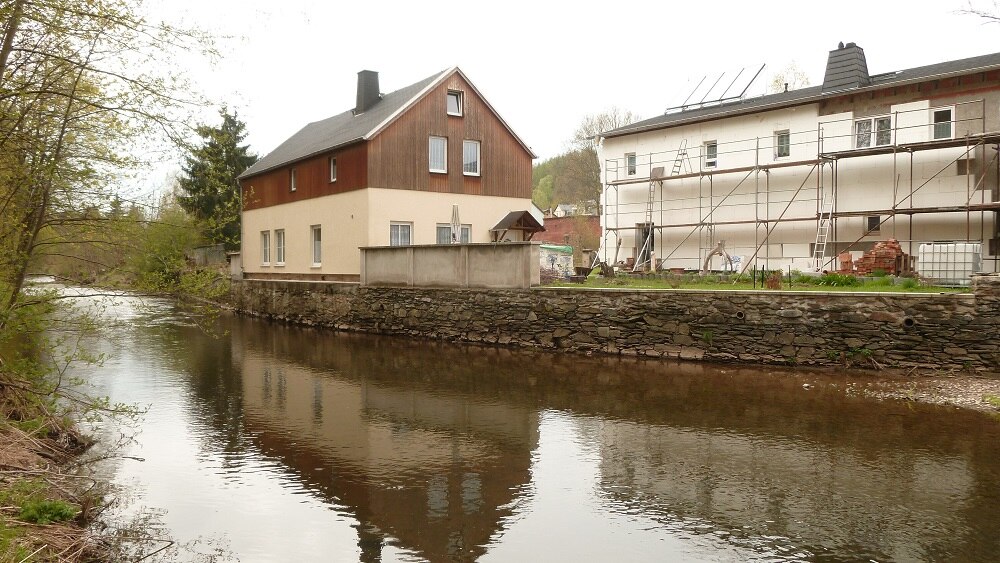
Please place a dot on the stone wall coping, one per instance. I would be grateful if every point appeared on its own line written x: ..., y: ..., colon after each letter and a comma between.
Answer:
x: 769, y: 292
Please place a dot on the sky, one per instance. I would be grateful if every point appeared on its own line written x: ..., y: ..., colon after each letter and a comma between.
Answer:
x: 545, y: 65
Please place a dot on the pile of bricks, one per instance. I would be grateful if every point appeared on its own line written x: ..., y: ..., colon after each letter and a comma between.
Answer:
x: 846, y: 263
x: 883, y: 257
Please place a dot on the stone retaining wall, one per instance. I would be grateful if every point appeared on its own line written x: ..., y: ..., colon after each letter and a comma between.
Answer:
x: 936, y: 331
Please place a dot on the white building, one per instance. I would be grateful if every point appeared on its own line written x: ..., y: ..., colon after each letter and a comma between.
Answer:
x: 794, y: 178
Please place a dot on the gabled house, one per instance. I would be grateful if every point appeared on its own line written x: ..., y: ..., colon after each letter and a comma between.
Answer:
x: 397, y: 169
x: 799, y: 179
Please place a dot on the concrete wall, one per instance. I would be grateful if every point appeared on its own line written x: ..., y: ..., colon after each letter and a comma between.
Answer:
x: 506, y: 265
x: 944, y: 332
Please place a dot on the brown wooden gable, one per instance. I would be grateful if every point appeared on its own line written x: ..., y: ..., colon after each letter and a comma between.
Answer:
x: 398, y: 155
x: 312, y: 178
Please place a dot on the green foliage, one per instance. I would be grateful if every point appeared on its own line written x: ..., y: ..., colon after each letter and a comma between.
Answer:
x: 839, y: 280
x: 47, y: 511
x: 160, y: 257
x: 208, y: 181
x: 878, y: 273
x: 909, y: 283
x: 884, y: 281
x: 993, y: 400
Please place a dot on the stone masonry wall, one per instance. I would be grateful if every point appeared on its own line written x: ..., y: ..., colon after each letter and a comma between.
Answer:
x: 953, y: 331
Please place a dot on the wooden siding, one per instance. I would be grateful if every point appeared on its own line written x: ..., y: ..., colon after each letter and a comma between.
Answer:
x: 312, y: 178
x: 398, y: 156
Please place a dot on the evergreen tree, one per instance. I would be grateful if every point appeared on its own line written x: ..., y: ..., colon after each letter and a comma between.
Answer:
x: 209, y: 189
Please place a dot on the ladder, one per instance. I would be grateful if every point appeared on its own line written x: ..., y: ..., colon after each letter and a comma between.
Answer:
x: 824, y: 225
x: 650, y: 200
x: 682, y: 153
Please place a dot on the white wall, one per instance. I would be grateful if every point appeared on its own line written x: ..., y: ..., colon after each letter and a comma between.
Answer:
x: 870, y: 183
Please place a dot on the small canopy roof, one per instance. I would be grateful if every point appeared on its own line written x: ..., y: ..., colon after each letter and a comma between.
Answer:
x: 517, y: 221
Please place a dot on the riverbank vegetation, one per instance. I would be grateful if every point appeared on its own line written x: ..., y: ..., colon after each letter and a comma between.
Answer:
x: 89, y: 94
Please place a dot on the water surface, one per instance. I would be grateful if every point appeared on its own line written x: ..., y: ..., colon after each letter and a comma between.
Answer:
x: 286, y: 443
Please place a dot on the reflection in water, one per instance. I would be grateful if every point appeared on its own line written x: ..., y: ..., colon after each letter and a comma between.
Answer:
x: 346, y: 447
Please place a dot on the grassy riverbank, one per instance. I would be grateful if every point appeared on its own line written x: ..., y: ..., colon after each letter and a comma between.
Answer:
x: 45, y: 505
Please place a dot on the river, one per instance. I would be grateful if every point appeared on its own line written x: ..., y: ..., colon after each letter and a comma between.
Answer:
x: 282, y: 443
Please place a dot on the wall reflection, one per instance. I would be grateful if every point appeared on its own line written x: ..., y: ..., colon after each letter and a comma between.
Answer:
x: 429, y: 445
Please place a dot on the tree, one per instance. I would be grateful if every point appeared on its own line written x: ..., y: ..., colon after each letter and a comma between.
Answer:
x: 990, y: 15
x: 210, y: 191
x: 791, y: 78
x: 84, y: 88
x: 575, y: 176
x: 587, y: 134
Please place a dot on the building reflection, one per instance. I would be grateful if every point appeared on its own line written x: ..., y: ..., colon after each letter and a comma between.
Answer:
x: 430, y: 445
x: 432, y: 469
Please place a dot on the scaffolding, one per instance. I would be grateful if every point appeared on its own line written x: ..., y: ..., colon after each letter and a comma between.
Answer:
x: 831, y: 143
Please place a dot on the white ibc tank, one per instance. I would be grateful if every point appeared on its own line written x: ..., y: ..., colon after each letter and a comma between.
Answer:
x: 949, y: 263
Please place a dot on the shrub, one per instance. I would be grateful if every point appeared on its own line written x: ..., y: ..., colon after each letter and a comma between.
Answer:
x: 909, y: 283
x: 46, y: 511
x: 878, y: 273
x: 839, y: 280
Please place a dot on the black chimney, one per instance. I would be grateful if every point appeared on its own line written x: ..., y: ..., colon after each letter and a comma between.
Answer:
x: 368, y: 94
x: 846, y: 68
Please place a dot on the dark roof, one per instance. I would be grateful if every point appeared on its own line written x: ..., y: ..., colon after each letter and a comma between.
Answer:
x: 519, y: 221
x: 807, y: 95
x: 339, y: 130
x: 845, y: 68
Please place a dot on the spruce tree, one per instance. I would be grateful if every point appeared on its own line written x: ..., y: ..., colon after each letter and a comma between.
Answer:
x: 209, y: 189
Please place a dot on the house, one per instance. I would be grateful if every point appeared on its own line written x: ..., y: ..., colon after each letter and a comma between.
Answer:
x: 397, y: 169
x: 797, y: 178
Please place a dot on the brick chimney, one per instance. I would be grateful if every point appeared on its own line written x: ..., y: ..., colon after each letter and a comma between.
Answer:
x: 368, y: 94
x: 846, y: 68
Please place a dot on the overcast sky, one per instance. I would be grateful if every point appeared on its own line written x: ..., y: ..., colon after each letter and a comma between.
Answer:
x: 545, y: 65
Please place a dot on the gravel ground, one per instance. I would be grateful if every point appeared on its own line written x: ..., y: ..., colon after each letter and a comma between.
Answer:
x: 980, y: 393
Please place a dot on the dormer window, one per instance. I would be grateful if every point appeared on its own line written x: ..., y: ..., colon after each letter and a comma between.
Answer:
x: 454, y: 103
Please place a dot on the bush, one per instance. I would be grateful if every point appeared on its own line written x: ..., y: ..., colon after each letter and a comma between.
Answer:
x: 909, y: 283
x: 46, y: 511
x: 877, y: 273
x: 839, y: 280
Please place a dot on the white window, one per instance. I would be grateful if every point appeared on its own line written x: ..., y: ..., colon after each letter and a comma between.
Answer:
x: 782, y: 143
x: 942, y: 123
x: 399, y: 233
x: 630, y: 163
x: 873, y: 223
x: 291, y: 180
x: 711, y: 154
x: 454, y: 103
x: 444, y: 233
x: 333, y: 169
x: 279, y: 247
x: 317, y: 245
x: 265, y: 248
x: 439, y: 154
x: 869, y: 129
x: 470, y: 158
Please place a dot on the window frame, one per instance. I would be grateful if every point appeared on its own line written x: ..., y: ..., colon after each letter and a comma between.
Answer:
x: 316, y: 245
x: 292, y: 182
x: 630, y: 164
x: 459, y: 98
x: 430, y: 154
x: 279, y: 247
x: 478, y: 161
x: 869, y: 221
x: 874, y: 135
x: 950, y: 123
x: 465, y: 233
x: 778, y: 145
x: 265, y: 248
x: 398, y: 226
x: 332, y: 164
x: 711, y: 152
